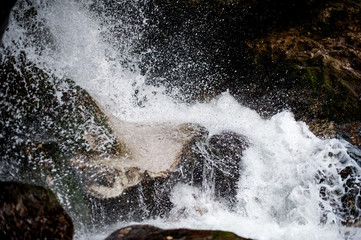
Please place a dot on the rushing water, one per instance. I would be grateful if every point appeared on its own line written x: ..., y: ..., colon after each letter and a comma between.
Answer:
x: 278, y: 196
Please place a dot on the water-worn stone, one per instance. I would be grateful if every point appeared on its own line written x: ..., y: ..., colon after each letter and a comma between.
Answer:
x: 324, y: 53
x: 32, y: 212
x: 351, y: 199
x: 45, y: 121
x: 123, y: 189
x: 138, y: 184
x: 148, y: 232
x: 218, y: 165
x: 154, y: 149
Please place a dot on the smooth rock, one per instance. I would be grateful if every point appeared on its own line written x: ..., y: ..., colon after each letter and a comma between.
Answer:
x: 154, y: 150
x: 32, y: 212
x: 148, y: 232
x: 137, y: 184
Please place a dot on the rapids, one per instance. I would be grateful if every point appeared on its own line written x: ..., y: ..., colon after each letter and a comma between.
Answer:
x: 93, y: 42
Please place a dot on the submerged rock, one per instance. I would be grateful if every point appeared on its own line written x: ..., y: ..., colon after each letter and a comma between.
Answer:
x: 32, y: 212
x: 351, y: 198
x: 148, y: 232
x: 341, y: 192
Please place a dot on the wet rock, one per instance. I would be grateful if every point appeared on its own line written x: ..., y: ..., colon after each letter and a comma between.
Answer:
x: 5, y: 8
x: 342, y: 191
x: 323, y: 128
x: 351, y: 199
x: 137, y: 185
x: 350, y: 132
x: 271, y: 55
x: 46, y: 121
x: 32, y: 212
x: 227, y: 151
x: 323, y: 53
x: 149, y: 232
x: 123, y: 189
x: 219, y: 165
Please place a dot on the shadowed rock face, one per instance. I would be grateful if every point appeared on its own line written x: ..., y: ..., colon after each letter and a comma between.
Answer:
x: 148, y: 232
x: 270, y: 54
x: 218, y: 165
x: 5, y: 8
x: 32, y: 212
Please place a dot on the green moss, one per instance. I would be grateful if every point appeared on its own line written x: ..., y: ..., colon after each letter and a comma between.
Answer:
x: 327, y: 84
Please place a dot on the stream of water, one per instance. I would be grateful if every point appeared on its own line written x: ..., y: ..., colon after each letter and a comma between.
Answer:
x: 278, y: 193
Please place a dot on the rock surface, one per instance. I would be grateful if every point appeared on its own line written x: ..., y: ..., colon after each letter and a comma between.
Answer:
x: 272, y: 55
x: 148, y: 232
x: 136, y: 194
x: 137, y: 185
x: 218, y: 165
x: 5, y: 8
x: 326, y: 51
x: 149, y: 149
x: 45, y: 121
x: 32, y: 212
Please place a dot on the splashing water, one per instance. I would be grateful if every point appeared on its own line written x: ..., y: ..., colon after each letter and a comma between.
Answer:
x: 282, y: 170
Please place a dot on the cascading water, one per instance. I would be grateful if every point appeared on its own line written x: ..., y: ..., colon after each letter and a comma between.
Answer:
x: 290, y: 186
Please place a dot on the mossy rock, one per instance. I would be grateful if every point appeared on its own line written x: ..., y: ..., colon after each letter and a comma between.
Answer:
x: 46, y: 121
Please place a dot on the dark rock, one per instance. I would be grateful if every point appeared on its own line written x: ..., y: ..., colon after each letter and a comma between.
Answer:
x: 45, y: 122
x: 32, y: 212
x: 148, y: 232
x: 227, y: 151
x: 350, y: 209
x: 220, y: 165
x: 141, y: 194
x: 342, y: 192
x: 271, y: 55
x: 215, y: 162
x: 5, y: 8
x: 322, y: 54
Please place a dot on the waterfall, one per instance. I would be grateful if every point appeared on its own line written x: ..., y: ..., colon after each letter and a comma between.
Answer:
x: 290, y: 185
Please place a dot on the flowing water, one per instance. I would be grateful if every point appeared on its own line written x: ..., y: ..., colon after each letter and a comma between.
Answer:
x: 93, y: 42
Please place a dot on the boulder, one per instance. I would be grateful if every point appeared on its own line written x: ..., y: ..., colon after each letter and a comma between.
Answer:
x: 32, y: 212
x: 137, y: 185
x: 319, y: 58
x: 45, y: 121
x: 218, y: 165
x: 148, y: 232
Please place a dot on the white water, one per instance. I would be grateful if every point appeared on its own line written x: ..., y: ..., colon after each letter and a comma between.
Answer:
x: 278, y: 193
